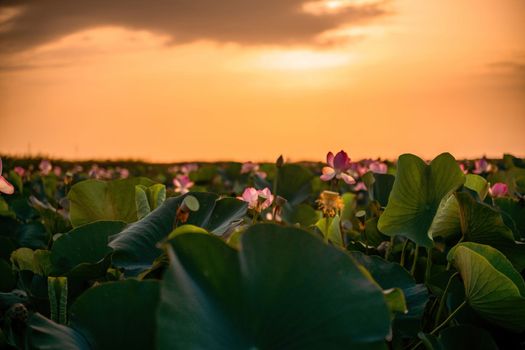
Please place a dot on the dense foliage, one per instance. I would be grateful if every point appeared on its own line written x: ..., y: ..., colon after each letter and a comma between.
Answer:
x: 342, y: 255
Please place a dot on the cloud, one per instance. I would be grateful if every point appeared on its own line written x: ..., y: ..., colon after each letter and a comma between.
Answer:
x: 247, y: 22
x: 511, y: 73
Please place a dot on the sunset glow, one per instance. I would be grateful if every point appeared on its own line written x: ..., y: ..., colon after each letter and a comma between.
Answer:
x: 377, y: 78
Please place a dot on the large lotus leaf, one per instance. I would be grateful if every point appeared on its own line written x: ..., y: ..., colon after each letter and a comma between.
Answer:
x: 379, y: 186
x: 226, y: 214
x: 136, y: 246
x: 466, y: 337
x: 283, y: 288
x: 117, y: 315
x: 459, y: 338
x: 302, y: 214
x: 149, y: 198
x: 416, y: 195
x: 392, y: 275
x: 7, y: 278
x: 45, y: 334
x: 13, y: 297
x: 516, y: 211
x: 373, y: 236
x: 294, y: 183
x: 461, y: 215
x: 493, y: 288
x: 331, y: 229
x: 22, y: 259
x: 84, y: 244
x: 94, y: 200
x: 33, y: 235
x: 477, y: 184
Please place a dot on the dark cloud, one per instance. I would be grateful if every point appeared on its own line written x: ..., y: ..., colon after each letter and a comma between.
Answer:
x: 249, y: 22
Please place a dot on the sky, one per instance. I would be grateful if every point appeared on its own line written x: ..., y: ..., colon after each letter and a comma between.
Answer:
x: 206, y: 80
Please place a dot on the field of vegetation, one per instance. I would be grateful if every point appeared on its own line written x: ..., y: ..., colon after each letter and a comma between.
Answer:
x: 337, y: 254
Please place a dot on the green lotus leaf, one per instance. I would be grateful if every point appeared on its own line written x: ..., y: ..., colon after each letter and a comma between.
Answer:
x: 459, y: 338
x: 135, y: 248
x: 373, y: 236
x: 416, y: 195
x: 33, y: 235
x: 294, y: 183
x: 186, y: 229
x: 466, y: 336
x: 22, y: 259
x: 391, y: 275
x: 493, y: 288
x: 379, y: 186
x: 283, y: 288
x: 94, y: 200
x: 42, y: 333
x: 330, y: 229
x: 460, y: 215
x: 7, y: 278
x: 149, y: 198
x: 117, y: 315
x: 477, y: 184
x: 302, y: 214
x: 83, y: 244
x: 516, y: 211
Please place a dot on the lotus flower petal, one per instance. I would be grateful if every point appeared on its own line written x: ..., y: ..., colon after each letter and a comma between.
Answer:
x: 346, y: 178
x: 341, y: 161
x: 268, y: 196
x: 499, y: 189
x: 328, y: 173
x: 330, y: 159
x: 5, y: 186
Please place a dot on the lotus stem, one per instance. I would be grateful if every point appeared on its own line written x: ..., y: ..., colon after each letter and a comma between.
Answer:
x: 429, y: 265
x: 402, y: 261
x: 443, y: 299
x: 326, y: 228
x: 438, y: 328
x: 416, y: 254
x: 390, y: 247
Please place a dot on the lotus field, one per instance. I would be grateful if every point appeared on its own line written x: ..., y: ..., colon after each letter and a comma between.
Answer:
x: 338, y: 254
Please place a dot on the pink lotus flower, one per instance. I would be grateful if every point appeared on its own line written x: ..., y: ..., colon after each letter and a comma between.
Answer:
x: 57, y: 171
x: 124, y: 173
x: 499, y: 189
x: 45, y: 167
x: 257, y: 199
x: 20, y: 171
x: 5, y: 186
x: 338, y: 167
x: 252, y: 168
x: 378, y: 167
x: 186, y: 169
x: 463, y: 168
x: 482, y: 166
x: 182, y: 184
x: 360, y: 187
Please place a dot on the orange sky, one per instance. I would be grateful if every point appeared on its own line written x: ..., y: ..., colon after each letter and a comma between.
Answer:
x: 376, y: 78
